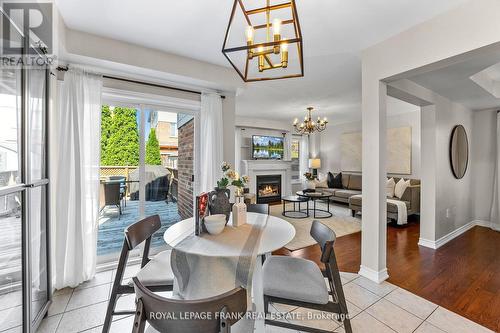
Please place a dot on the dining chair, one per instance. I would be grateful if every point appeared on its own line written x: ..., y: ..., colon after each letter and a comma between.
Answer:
x: 112, y: 196
x: 156, y: 273
x: 258, y: 208
x: 304, y: 285
x: 221, y: 312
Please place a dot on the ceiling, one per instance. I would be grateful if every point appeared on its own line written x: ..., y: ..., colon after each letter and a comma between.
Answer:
x: 463, y: 82
x: 334, y: 32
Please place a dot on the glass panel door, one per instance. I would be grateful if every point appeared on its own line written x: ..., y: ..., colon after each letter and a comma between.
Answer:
x: 163, y: 150
x: 150, y: 152
x: 11, y: 202
x: 37, y: 189
x: 119, y: 174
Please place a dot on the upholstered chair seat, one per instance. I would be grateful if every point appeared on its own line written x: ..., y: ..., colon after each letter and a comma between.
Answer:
x: 157, y: 271
x: 295, y: 279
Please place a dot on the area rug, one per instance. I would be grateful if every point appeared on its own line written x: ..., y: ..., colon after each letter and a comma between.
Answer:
x: 341, y: 222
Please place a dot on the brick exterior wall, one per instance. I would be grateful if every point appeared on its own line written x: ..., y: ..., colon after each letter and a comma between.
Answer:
x: 186, y: 169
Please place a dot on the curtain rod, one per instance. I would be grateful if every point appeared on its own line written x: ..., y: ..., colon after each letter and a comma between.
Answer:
x: 65, y: 69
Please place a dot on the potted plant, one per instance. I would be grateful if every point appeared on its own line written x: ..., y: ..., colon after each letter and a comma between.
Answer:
x: 311, y: 185
x: 238, y: 182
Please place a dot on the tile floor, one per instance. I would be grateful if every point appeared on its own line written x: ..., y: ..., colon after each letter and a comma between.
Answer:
x: 374, y: 308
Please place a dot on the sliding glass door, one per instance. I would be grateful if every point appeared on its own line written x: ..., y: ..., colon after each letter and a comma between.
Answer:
x: 24, y: 261
x: 141, y: 173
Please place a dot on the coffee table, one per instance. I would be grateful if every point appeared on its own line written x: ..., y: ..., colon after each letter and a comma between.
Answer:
x: 315, y: 196
x: 295, y: 214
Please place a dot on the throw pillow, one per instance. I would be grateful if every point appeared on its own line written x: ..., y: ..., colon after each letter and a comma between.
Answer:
x: 391, y: 184
x: 321, y: 183
x: 337, y: 181
x: 401, y: 188
x: 329, y: 179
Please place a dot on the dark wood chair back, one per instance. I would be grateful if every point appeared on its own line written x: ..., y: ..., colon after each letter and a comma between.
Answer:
x: 135, y: 234
x: 111, y: 194
x: 258, y: 208
x: 223, y: 311
x: 325, y: 237
x: 140, y: 231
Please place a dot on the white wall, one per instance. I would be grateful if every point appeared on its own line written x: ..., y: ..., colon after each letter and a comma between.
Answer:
x: 452, y: 36
x: 446, y: 201
x: 483, y: 152
x: 330, y: 147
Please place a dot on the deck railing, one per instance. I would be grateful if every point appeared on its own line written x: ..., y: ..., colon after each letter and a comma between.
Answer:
x: 115, y: 170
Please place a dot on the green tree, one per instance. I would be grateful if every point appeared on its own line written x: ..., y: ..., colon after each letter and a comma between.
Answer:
x: 106, y: 119
x: 153, y: 156
x: 122, y: 147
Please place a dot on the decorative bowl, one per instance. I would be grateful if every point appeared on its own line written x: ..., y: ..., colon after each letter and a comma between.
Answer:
x: 215, y: 223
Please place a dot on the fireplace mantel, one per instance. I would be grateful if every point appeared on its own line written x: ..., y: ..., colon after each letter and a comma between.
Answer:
x: 254, y: 168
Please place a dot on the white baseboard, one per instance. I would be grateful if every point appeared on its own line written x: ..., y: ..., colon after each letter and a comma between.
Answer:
x: 375, y: 276
x: 482, y: 223
x: 455, y: 233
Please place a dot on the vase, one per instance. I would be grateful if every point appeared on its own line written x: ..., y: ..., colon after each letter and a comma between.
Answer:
x: 218, y: 202
x: 311, y: 185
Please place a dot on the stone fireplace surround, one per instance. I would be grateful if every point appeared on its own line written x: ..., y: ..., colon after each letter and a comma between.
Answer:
x: 254, y: 168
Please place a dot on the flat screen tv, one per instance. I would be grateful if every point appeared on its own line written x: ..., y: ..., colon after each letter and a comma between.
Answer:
x: 267, y: 147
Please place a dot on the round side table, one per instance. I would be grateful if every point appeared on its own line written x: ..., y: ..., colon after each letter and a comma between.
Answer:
x: 315, y: 196
x: 295, y: 214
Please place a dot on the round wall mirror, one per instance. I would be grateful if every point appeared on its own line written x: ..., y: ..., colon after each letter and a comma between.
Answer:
x: 459, y: 151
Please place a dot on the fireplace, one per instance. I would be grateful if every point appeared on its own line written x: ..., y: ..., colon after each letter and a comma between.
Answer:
x: 268, y: 188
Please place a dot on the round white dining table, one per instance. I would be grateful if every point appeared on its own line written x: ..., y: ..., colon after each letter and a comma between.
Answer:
x: 276, y: 234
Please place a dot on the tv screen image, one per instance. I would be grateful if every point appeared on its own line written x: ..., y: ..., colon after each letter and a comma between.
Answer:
x: 267, y: 147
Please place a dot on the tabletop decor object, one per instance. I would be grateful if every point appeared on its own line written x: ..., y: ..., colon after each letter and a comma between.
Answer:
x: 218, y: 202
x: 239, y: 213
x: 311, y: 185
x: 215, y: 223
x: 224, y: 181
x: 201, y: 212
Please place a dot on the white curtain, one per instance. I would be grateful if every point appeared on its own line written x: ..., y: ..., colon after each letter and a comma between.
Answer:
x: 77, y: 179
x: 211, y: 128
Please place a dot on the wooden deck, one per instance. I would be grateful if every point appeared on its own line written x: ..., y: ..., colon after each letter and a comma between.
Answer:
x: 112, y: 225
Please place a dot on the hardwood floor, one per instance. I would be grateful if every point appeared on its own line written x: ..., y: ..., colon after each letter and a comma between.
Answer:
x: 462, y: 276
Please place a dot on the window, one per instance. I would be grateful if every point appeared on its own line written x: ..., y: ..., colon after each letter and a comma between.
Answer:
x: 173, y: 129
x: 295, y: 153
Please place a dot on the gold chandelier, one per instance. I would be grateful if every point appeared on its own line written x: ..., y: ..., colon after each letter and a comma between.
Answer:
x: 309, y: 126
x: 273, y: 48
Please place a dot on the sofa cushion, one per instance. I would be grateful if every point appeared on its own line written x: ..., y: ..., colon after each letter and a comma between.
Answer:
x: 355, y: 182
x: 321, y: 183
x: 401, y: 187
x: 329, y: 190
x: 346, y: 193
x: 329, y: 179
x: 391, y: 208
x: 345, y: 180
x: 391, y: 185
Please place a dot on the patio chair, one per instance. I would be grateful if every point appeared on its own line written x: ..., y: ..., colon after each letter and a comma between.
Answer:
x: 123, y: 187
x: 304, y: 285
x: 156, y: 273
x: 112, y: 196
x: 221, y: 312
